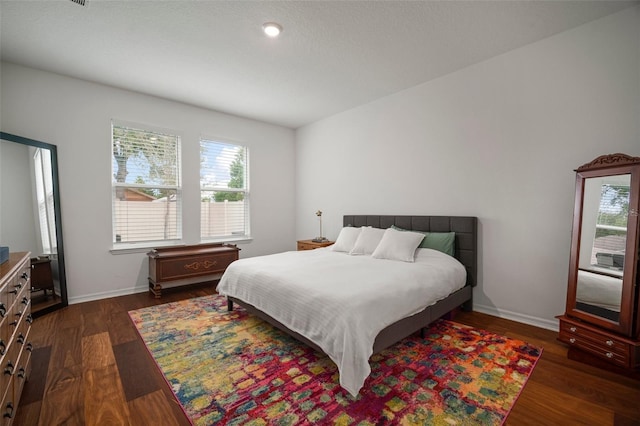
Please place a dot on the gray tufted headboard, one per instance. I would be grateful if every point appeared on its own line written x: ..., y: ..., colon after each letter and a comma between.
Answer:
x: 465, y: 227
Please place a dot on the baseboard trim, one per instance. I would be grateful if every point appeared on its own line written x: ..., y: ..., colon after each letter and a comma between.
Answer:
x: 514, y: 316
x: 490, y: 310
x: 107, y: 294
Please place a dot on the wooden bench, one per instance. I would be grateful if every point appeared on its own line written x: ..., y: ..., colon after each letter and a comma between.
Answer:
x: 183, y: 265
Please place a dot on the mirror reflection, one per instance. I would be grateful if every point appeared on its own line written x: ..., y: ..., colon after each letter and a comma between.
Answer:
x: 605, y: 213
x: 28, y: 217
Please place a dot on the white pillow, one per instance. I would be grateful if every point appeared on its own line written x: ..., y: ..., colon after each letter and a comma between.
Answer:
x: 368, y: 240
x: 346, y: 239
x: 398, y: 245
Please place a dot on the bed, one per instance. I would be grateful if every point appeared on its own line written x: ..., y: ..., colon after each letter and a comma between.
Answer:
x: 599, y: 293
x: 354, y: 343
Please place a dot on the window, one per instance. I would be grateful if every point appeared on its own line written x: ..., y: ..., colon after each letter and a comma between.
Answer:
x: 224, y: 194
x: 611, y: 226
x: 44, y: 197
x: 146, y: 192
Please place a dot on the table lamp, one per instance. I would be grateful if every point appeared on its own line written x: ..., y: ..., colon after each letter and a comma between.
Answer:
x: 319, y: 239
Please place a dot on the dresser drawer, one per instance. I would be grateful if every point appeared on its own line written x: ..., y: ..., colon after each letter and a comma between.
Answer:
x: 18, y: 285
x: 9, y: 292
x: 23, y: 363
x: 613, y: 356
x: 4, y: 326
x: 603, y: 340
x: 311, y: 245
x: 8, y: 409
x: 306, y: 246
x: 8, y: 369
x: 17, y: 317
x: 4, y: 337
x: 602, y: 345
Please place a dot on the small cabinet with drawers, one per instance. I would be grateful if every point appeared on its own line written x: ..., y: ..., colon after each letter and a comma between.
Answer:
x: 616, y: 350
x: 15, y: 325
x: 183, y: 265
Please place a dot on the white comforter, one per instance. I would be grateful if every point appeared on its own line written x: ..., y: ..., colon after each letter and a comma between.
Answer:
x: 599, y: 290
x: 341, y: 302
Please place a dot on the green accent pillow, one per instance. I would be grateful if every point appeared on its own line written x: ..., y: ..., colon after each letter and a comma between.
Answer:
x: 441, y: 241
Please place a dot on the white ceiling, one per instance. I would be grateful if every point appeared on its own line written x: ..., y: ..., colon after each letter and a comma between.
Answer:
x: 331, y: 56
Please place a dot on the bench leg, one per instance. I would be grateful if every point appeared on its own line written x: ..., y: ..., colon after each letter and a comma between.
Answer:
x: 155, y: 289
x: 229, y: 305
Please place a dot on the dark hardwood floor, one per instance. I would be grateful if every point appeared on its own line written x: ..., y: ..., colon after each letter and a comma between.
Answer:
x: 91, y: 368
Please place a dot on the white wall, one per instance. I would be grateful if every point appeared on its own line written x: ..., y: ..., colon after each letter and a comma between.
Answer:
x: 17, y: 207
x: 75, y: 115
x: 498, y: 140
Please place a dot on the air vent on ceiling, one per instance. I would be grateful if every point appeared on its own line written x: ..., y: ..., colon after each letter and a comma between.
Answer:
x: 80, y: 2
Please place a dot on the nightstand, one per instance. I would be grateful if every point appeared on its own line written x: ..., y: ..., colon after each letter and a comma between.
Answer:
x: 310, y: 244
x: 41, y: 275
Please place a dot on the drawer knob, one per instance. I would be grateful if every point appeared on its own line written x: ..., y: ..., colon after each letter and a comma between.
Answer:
x: 3, y: 310
x: 25, y: 276
x: 609, y: 342
x: 8, y: 411
x: 609, y: 355
x: 572, y: 340
x: 572, y: 329
x: 8, y: 371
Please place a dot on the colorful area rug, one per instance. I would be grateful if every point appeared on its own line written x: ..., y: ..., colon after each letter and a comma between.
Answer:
x: 230, y: 368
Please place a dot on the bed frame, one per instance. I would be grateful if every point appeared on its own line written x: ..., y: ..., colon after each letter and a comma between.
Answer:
x: 466, y: 241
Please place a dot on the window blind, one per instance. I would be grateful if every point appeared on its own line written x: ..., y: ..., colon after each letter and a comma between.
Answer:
x: 146, y: 192
x: 224, y: 207
x: 611, y: 223
x: 44, y: 197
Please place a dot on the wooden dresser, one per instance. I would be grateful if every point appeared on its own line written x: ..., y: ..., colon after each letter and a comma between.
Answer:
x: 183, y: 265
x: 15, y: 345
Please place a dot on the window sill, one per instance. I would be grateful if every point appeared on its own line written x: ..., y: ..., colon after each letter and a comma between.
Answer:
x: 144, y: 248
x: 232, y: 240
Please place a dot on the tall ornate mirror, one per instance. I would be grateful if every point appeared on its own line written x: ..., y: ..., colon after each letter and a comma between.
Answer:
x: 603, y: 243
x: 30, y: 216
x: 602, y: 279
x: 602, y: 315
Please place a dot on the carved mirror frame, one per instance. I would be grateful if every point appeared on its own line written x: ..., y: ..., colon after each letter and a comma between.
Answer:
x: 604, y: 166
x: 61, y: 273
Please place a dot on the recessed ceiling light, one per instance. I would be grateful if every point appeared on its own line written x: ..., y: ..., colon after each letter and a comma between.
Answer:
x: 272, y: 29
